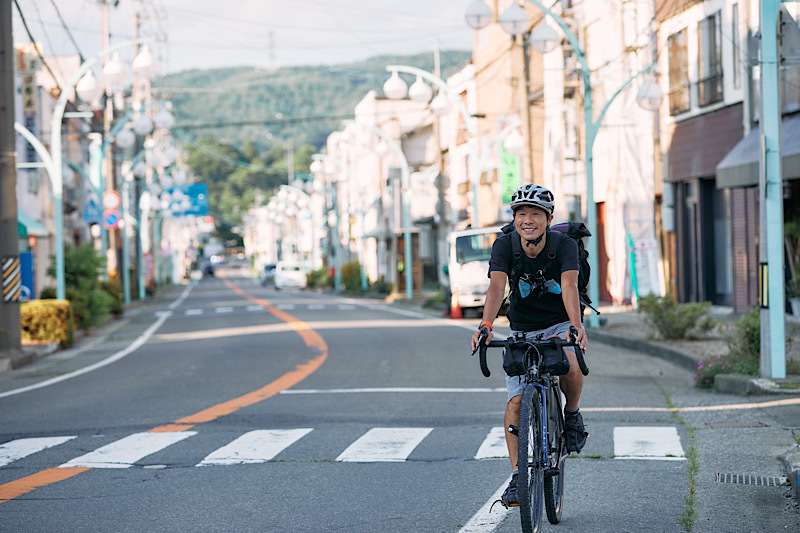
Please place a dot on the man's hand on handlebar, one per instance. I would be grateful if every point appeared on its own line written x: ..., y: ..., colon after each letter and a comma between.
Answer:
x: 477, y: 335
x: 582, y: 339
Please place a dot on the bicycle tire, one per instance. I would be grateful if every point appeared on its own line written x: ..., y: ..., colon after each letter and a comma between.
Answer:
x: 530, y: 479
x: 554, y: 483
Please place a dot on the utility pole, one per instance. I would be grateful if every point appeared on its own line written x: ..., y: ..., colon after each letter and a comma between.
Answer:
x: 108, y: 163
x: 10, y: 329
x: 770, y: 185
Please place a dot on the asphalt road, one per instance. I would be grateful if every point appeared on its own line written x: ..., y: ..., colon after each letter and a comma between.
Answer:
x: 242, y: 408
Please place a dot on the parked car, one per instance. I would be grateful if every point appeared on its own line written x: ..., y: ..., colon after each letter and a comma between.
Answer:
x: 290, y: 275
x: 268, y: 274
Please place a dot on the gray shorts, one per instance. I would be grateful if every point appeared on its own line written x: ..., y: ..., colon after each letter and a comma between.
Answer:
x: 515, y: 384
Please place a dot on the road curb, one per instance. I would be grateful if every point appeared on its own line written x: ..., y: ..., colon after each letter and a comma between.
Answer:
x: 672, y: 355
x: 791, y: 463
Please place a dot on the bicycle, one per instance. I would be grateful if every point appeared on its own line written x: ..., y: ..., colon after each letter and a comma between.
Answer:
x: 541, y: 449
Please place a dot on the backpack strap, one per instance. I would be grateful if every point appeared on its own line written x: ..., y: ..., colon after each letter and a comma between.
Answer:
x: 517, y: 262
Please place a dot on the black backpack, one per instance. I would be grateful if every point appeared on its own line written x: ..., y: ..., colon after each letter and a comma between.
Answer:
x: 575, y: 230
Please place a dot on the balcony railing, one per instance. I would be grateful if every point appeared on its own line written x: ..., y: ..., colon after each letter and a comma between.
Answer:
x: 709, y: 90
x: 679, y: 100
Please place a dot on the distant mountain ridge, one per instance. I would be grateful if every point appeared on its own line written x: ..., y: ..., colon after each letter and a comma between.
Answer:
x: 301, y: 103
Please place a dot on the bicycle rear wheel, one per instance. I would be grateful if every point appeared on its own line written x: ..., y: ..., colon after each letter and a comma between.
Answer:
x: 529, y: 460
x: 554, y: 476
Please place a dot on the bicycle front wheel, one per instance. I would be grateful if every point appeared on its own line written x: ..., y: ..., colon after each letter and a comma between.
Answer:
x: 554, y: 475
x: 530, y: 465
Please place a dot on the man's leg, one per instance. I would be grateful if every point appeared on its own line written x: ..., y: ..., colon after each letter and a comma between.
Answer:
x: 512, y: 418
x: 572, y: 382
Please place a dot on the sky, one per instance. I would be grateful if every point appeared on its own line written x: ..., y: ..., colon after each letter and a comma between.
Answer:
x: 259, y: 33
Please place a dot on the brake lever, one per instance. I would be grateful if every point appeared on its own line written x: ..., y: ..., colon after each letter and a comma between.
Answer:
x: 481, y: 340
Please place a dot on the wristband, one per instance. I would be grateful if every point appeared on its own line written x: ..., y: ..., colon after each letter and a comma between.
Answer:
x: 485, y: 323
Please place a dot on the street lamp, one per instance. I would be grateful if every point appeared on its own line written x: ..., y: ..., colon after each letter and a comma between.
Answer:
x: 515, y: 27
x: 405, y: 193
x: 56, y: 157
x: 440, y: 106
x: 325, y: 165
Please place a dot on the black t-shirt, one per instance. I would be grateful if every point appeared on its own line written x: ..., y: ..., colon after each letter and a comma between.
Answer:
x: 536, y: 311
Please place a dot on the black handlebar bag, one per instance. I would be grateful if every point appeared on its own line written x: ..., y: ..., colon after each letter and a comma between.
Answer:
x: 553, y: 358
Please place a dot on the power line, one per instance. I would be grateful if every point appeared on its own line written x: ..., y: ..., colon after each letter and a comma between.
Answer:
x: 36, y: 46
x: 66, y: 29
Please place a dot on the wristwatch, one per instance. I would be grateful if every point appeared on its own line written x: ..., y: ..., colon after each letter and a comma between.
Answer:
x: 485, y: 323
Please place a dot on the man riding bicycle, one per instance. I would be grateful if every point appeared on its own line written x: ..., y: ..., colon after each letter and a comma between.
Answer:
x: 544, y: 302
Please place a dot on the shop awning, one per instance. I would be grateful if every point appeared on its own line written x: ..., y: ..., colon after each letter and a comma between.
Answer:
x: 27, y: 226
x: 740, y: 167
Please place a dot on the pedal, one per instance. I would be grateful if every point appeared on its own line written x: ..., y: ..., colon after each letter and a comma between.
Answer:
x: 514, y: 430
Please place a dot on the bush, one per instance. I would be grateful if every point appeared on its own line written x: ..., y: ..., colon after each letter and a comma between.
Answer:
x: 381, y: 286
x: 90, y: 303
x: 320, y: 279
x: 115, y: 290
x: 351, y: 276
x: 744, y: 349
x: 47, y: 321
x: 670, y: 320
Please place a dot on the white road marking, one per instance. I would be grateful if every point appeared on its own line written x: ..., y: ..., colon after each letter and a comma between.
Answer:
x: 316, y: 307
x: 494, y: 445
x: 227, y: 309
x: 125, y: 452
x: 255, y: 447
x: 380, y: 445
x: 182, y: 297
x: 256, y: 308
x: 194, y: 312
x: 488, y: 518
x: 648, y: 442
x: 107, y: 361
x: 19, y: 448
x: 347, y: 307
x: 285, y: 307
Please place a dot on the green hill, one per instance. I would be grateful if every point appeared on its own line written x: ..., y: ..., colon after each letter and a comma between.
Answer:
x: 303, y: 103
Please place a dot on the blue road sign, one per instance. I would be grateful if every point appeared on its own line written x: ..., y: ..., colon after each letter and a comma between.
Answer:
x: 92, y: 213
x: 111, y: 219
x: 194, y: 200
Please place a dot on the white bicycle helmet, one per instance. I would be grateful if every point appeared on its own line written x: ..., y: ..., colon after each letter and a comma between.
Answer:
x: 535, y: 195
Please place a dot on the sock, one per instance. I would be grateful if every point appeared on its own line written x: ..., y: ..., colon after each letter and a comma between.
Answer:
x: 571, y: 412
x: 515, y: 472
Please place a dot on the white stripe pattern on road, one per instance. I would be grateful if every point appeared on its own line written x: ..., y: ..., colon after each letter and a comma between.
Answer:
x: 253, y: 308
x: 257, y: 446
x: 380, y: 445
x: 494, y: 445
x: 194, y: 312
x: 226, y: 309
x: 17, y: 449
x: 487, y: 518
x: 648, y: 442
x: 125, y: 452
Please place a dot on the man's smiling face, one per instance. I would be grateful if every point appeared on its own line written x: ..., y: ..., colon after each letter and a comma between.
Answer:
x: 530, y: 221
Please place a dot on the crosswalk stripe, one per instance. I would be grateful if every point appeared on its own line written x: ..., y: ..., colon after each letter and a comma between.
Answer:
x: 257, y: 446
x: 19, y: 448
x: 256, y: 308
x: 648, y: 442
x: 227, y: 309
x: 494, y: 445
x: 194, y: 312
x: 384, y: 445
x: 125, y: 452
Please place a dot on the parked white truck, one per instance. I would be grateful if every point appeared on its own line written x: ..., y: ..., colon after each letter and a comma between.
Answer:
x: 468, y: 267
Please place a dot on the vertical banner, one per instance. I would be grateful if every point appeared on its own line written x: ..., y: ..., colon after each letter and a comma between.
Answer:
x: 12, y: 280
x: 509, y: 173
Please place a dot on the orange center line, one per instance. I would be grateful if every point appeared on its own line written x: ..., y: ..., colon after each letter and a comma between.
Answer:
x: 311, y: 338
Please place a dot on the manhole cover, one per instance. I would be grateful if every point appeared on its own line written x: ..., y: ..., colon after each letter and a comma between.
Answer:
x: 750, y: 479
